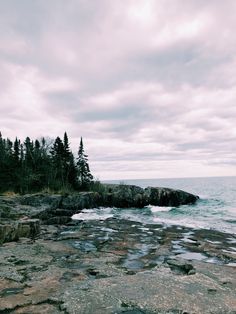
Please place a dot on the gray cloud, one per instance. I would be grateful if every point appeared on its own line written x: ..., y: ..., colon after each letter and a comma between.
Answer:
x: 149, y: 84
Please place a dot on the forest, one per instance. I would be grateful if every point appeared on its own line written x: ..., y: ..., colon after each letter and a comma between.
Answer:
x: 43, y: 165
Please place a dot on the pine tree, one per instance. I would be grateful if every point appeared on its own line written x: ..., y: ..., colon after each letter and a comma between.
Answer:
x: 72, y: 173
x: 32, y: 166
x: 17, y: 170
x: 57, y: 153
x: 67, y: 151
x: 16, y: 152
x: 70, y: 169
x: 28, y: 149
x: 9, y: 165
x: 66, y: 162
x: 85, y: 177
x: 46, y: 166
x: 27, y: 166
x: 2, y: 163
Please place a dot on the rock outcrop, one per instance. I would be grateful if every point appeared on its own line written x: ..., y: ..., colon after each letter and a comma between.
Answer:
x: 134, y: 196
x: 169, y: 197
x: 123, y: 196
x: 12, y: 231
x: 58, y: 209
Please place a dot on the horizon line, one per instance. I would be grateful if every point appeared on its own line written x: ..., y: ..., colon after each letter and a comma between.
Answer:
x: 169, y: 178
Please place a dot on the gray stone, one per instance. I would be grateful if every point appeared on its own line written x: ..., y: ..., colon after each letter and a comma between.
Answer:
x: 28, y: 228
x: 181, y: 265
x: 58, y: 209
x: 169, y: 197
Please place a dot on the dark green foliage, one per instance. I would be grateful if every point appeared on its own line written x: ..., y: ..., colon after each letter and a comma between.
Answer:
x: 69, y: 167
x: 36, y: 165
x: 6, y: 162
x: 85, y: 177
x: 16, y: 152
x: 97, y: 186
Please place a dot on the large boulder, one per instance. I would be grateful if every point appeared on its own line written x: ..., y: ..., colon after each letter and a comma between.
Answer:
x: 121, y: 195
x: 76, y: 202
x: 67, y: 206
x: 12, y: 231
x: 134, y: 196
x: 169, y: 197
x: 51, y: 201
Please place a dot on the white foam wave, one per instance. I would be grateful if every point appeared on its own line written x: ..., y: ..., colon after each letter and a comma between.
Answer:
x: 182, y: 222
x: 94, y: 214
x: 155, y: 209
x: 204, y: 197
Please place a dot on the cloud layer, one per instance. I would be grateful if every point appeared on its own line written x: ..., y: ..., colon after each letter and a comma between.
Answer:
x: 150, y: 85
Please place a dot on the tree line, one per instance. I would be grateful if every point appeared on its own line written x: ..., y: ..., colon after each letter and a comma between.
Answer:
x: 32, y: 166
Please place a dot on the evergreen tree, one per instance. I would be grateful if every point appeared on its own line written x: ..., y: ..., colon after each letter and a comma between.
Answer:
x: 85, y: 177
x: 21, y: 179
x: 72, y: 173
x: 69, y: 166
x: 44, y: 163
x: 57, y: 153
x: 2, y: 163
x: 29, y: 149
x: 37, y: 165
x: 66, y: 159
x: 26, y: 160
x: 9, y: 148
x: 17, y: 170
x: 66, y: 147
x: 32, y: 166
x: 9, y: 165
x: 16, y: 152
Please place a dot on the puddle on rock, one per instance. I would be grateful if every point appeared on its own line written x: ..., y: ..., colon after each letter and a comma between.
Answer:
x: 133, y: 260
x: 193, y: 256
x: 177, y: 248
x: 85, y: 246
x: 231, y: 264
x: 145, y: 246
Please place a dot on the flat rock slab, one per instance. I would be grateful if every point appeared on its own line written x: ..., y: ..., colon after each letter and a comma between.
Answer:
x: 96, y: 268
x: 157, y: 291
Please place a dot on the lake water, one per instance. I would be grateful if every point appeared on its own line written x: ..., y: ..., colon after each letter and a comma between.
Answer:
x: 216, y: 208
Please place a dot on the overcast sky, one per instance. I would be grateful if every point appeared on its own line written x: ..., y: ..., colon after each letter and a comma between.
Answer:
x: 149, y: 84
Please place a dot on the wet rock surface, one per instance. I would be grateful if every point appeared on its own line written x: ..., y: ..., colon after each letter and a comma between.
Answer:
x: 111, y: 265
x: 119, y: 266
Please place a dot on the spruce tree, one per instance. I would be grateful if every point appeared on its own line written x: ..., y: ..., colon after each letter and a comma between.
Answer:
x: 16, y: 152
x: 66, y: 147
x: 72, y: 173
x: 3, y: 160
x: 85, y: 177
x: 66, y: 161
x: 46, y: 168
x: 17, y: 171
x: 9, y: 166
x: 57, y: 153
x: 34, y: 165
x: 29, y: 147
x: 27, y: 166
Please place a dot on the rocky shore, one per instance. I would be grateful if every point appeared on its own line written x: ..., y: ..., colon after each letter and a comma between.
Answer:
x: 51, y: 264
x: 58, y: 209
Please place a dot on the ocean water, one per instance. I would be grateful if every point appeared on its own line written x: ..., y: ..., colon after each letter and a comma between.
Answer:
x: 216, y: 208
